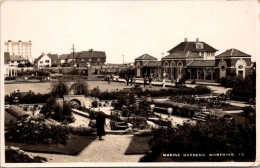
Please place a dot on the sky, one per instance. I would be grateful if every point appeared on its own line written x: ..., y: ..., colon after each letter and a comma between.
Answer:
x: 130, y: 28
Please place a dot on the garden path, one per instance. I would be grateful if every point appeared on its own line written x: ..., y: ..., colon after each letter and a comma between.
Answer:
x: 111, y: 149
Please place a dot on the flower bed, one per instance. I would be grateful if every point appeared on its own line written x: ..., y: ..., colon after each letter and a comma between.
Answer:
x: 184, y: 110
x: 35, y: 131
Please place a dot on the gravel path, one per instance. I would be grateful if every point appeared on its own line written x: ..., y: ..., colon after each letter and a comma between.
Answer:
x: 111, y: 149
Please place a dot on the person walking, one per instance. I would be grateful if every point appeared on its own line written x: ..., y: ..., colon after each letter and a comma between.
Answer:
x: 145, y: 80
x: 131, y: 79
x: 150, y: 80
x: 100, y: 123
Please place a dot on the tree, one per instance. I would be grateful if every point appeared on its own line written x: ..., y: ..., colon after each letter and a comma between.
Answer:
x: 59, y: 89
x: 79, y: 88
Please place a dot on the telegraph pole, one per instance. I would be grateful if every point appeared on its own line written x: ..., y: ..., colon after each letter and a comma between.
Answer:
x: 73, y: 54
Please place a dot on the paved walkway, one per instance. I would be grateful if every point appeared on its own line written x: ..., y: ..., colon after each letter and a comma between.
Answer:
x: 111, y: 149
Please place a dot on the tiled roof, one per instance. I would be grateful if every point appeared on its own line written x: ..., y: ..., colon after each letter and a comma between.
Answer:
x: 70, y: 56
x: 146, y: 57
x: 64, y: 56
x: 17, y: 58
x: 182, y: 55
x: 6, y: 57
x: 202, y: 63
x: 233, y: 53
x: 91, y: 54
x: 191, y: 46
x: 54, y: 58
x: 153, y: 64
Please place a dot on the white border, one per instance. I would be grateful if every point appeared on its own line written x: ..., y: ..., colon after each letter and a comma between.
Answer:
x: 120, y: 164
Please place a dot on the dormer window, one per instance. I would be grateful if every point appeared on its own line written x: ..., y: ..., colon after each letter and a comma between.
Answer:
x: 199, y: 46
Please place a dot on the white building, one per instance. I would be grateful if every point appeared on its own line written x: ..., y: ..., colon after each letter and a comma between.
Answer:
x: 15, y: 60
x: 20, y: 48
x: 43, y: 61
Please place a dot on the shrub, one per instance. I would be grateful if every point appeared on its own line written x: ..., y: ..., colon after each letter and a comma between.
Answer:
x: 35, y: 131
x: 184, y: 110
x: 215, y: 136
x: 81, y: 131
x: 59, y: 88
x: 16, y: 155
x: 250, y: 112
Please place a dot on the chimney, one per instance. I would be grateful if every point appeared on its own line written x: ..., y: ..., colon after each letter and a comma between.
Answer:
x: 197, y: 39
x: 20, y: 40
x: 91, y: 50
x: 9, y: 40
x: 30, y: 41
x: 185, y: 39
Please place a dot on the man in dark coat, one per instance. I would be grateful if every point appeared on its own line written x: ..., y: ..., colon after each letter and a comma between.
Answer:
x: 100, y: 122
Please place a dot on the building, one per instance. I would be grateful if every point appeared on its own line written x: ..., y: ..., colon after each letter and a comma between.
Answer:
x: 83, y: 58
x: 233, y: 62
x: 15, y: 60
x: 46, y: 61
x: 196, y: 60
x: 93, y: 58
x: 147, y: 64
x: 63, y: 59
x: 192, y: 59
x: 19, y: 48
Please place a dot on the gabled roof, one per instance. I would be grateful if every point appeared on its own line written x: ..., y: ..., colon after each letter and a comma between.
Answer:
x: 54, y: 58
x: 146, y: 57
x: 191, y: 46
x: 17, y: 58
x: 64, y: 56
x: 153, y: 64
x: 182, y: 55
x: 233, y: 53
x: 70, y: 56
x: 6, y: 57
x: 91, y: 54
x: 202, y: 63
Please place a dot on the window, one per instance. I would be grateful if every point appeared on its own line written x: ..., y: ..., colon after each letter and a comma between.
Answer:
x: 82, y: 59
x: 202, y: 54
x: 41, y: 62
x: 47, y: 61
x: 98, y: 59
x: 18, y: 52
x: 89, y: 59
x: 18, y: 61
x: 12, y: 61
x: 199, y: 45
x: 47, y: 66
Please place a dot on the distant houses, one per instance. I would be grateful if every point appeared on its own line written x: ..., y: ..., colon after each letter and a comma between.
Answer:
x: 83, y: 58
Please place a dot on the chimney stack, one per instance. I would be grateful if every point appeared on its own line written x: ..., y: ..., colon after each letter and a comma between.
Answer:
x: 91, y: 50
x: 197, y: 39
x: 185, y: 39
